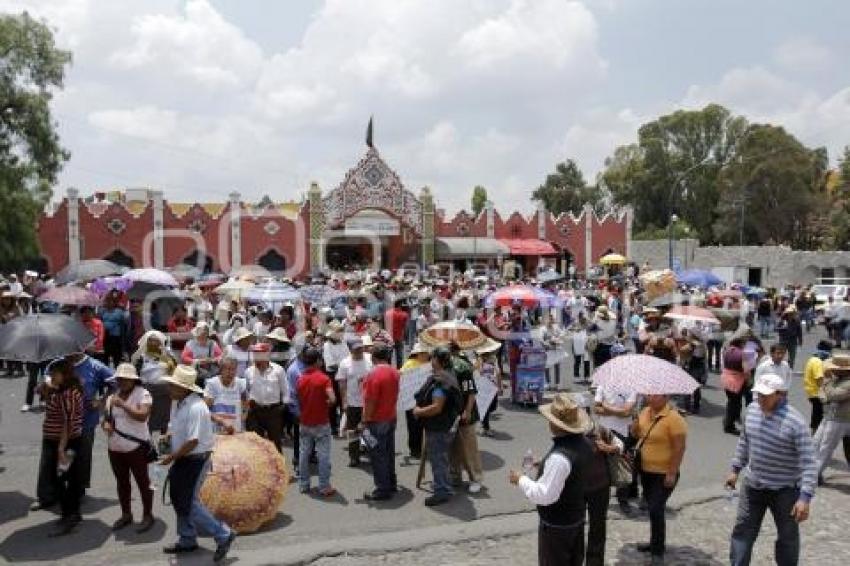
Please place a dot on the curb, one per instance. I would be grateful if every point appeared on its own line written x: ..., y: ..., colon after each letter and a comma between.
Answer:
x: 487, y: 527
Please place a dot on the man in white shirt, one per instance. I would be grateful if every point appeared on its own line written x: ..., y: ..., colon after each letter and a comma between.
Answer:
x: 558, y: 491
x: 350, y: 376
x: 334, y: 351
x: 225, y: 395
x: 268, y: 392
x: 192, y: 442
x: 614, y: 410
x: 776, y: 365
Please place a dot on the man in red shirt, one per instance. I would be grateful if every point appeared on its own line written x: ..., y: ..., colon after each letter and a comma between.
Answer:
x: 396, y: 323
x: 380, y: 395
x: 315, y: 395
x: 95, y: 326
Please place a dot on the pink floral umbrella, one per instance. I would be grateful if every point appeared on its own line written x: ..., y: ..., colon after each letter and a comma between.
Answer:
x: 691, y: 313
x: 70, y: 295
x: 648, y: 375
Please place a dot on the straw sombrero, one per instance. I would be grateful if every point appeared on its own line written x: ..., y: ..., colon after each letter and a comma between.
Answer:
x: 184, y: 376
x: 838, y: 362
x: 489, y: 346
x: 126, y: 371
x: 566, y: 414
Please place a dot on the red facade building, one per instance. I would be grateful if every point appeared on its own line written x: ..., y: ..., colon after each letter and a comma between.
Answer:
x: 370, y: 218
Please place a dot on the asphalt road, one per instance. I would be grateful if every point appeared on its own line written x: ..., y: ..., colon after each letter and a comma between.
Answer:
x: 302, y: 518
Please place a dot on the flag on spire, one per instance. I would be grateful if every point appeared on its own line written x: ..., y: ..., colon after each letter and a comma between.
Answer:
x: 369, y: 133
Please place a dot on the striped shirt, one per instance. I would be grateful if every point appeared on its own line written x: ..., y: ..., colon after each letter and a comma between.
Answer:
x: 64, y: 408
x: 777, y: 450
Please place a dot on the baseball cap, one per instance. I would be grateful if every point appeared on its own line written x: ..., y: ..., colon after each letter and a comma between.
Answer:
x: 769, y: 383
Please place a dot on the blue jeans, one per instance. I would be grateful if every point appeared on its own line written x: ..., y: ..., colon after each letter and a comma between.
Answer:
x: 751, y: 507
x: 318, y: 437
x: 200, y: 519
x: 383, y: 457
x: 438, y: 445
x: 764, y: 325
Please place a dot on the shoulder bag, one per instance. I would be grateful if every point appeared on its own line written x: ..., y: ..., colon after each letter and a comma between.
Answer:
x: 633, y: 453
x: 151, y: 455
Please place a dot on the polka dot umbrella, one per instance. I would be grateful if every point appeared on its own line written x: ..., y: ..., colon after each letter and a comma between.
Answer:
x: 247, y: 481
x: 647, y: 375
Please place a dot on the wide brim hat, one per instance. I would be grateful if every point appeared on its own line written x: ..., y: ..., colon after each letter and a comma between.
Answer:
x: 241, y: 334
x: 419, y: 348
x: 201, y: 327
x: 334, y: 327
x: 126, y: 371
x: 488, y: 346
x: 566, y: 414
x: 278, y: 334
x: 838, y: 362
x: 184, y: 376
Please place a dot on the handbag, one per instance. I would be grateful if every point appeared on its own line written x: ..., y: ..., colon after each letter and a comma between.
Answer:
x: 619, y: 470
x: 208, y: 371
x: 633, y: 453
x: 151, y: 454
x: 592, y: 343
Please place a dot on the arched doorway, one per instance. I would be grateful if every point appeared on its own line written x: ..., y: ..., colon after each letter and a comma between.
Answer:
x: 120, y: 258
x: 200, y: 260
x: 353, y: 252
x: 272, y: 260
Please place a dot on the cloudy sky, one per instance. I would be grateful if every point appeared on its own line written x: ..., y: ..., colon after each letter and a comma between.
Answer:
x: 202, y: 97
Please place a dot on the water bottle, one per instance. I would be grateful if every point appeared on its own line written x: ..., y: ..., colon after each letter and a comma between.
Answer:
x: 731, y: 496
x: 528, y: 462
x: 62, y: 468
x: 157, y: 474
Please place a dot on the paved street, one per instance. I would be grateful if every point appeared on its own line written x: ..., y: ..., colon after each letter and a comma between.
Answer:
x: 307, y: 528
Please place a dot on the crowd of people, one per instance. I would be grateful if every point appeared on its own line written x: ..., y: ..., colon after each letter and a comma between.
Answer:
x: 300, y: 374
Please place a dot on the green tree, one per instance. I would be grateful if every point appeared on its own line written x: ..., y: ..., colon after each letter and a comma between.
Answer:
x: 839, y: 220
x: 479, y: 199
x: 31, y: 67
x: 565, y: 190
x: 771, y: 191
x: 673, y: 168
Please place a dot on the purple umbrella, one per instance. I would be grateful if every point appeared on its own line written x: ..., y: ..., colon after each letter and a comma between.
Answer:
x: 70, y: 295
x: 102, y: 285
x: 648, y: 375
x: 152, y: 276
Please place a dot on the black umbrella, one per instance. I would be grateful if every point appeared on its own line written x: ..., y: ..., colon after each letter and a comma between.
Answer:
x: 88, y: 269
x: 42, y: 337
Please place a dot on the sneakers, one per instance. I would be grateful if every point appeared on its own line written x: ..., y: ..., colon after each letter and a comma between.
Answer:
x: 327, y: 492
x: 474, y: 487
x: 179, y: 549
x: 222, y: 549
x: 435, y: 500
x: 377, y: 496
x: 25, y: 408
x: 146, y: 525
x: 65, y: 526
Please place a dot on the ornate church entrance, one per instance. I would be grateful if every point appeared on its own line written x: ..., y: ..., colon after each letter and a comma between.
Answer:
x: 370, y: 220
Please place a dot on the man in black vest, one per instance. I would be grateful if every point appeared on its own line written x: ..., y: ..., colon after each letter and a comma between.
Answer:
x: 559, y: 488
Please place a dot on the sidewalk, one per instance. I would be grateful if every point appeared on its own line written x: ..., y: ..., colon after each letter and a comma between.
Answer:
x: 697, y: 533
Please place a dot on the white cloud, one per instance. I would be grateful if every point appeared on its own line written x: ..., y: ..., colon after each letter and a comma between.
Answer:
x: 593, y: 138
x: 198, y: 43
x: 146, y: 122
x: 764, y: 96
x: 804, y: 55
x: 553, y: 33
x: 754, y: 91
x: 491, y: 92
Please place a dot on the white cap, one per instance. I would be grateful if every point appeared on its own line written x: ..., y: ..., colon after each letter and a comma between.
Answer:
x: 769, y: 383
